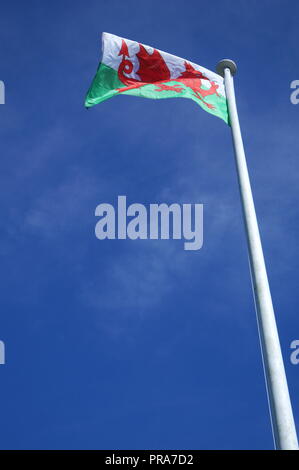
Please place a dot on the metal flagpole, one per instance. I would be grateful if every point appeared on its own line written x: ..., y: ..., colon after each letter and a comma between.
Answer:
x: 283, y: 425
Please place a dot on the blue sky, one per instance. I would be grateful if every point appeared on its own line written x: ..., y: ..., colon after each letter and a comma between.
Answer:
x: 140, y: 344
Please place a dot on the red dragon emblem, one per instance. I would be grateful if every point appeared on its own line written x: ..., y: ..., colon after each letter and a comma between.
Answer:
x: 153, y: 69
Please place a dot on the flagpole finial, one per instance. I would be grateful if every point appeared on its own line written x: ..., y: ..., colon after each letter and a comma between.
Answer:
x: 226, y: 64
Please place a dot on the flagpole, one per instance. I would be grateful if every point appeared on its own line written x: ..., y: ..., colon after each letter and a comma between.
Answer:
x: 283, y: 426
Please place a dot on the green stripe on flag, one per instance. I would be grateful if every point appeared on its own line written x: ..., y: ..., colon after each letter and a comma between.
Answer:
x: 106, y: 84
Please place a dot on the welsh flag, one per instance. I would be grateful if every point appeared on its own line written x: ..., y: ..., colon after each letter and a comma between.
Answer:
x: 131, y: 68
